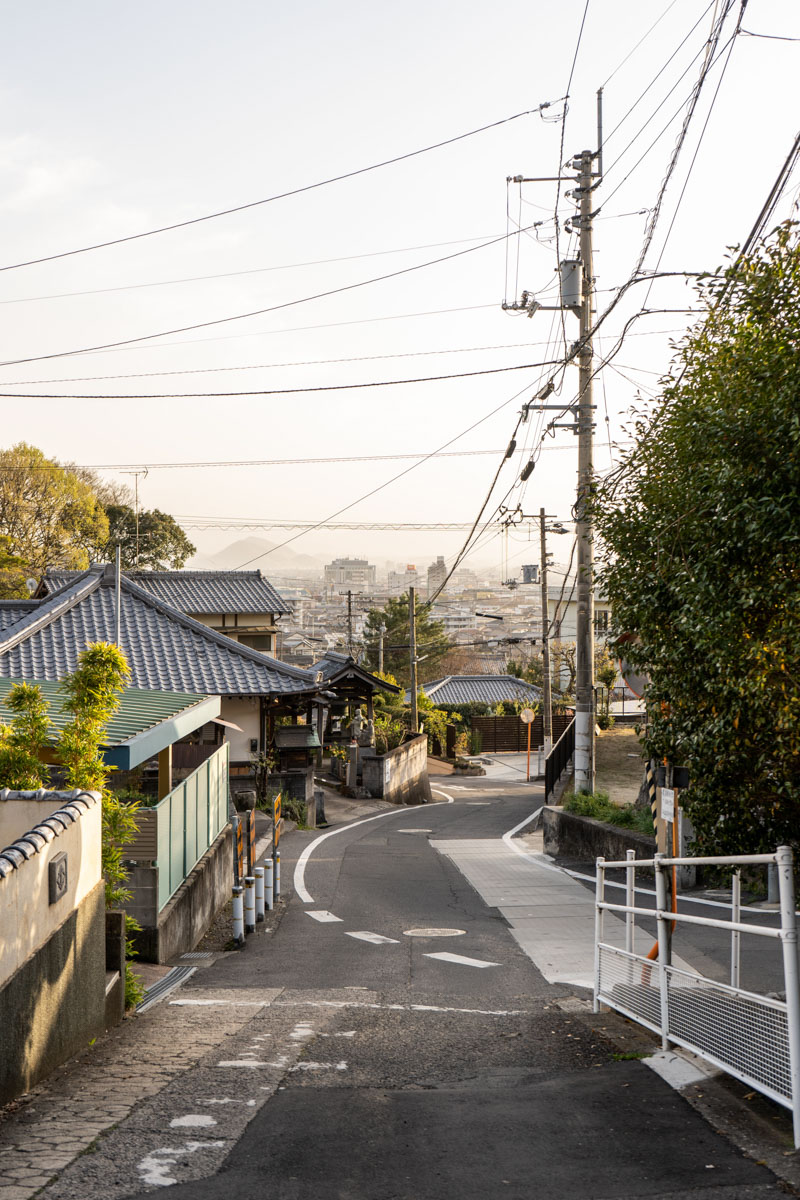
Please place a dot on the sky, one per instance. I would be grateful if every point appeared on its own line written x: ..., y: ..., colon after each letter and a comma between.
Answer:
x: 116, y: 120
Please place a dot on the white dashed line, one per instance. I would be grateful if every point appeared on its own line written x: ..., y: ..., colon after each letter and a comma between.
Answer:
x: 322, y: 914
x: 192, y: 1121
x: 462, y: 960
x: 377, y: 939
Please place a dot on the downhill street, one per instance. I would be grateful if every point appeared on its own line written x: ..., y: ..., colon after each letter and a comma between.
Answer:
x: 391, y: 1038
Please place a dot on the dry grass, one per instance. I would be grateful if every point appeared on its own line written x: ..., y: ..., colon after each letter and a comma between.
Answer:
x: 619, y: 764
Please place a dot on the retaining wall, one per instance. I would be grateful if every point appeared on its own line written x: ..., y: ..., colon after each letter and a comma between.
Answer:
x: 401, y: 775
x: 566, y: 835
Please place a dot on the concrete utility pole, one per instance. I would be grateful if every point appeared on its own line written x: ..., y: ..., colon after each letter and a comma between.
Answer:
x: 412, y: 646
x: 381, y: 634
x: 584, y: 657
x: 547, y: 696
x: 349, y: 622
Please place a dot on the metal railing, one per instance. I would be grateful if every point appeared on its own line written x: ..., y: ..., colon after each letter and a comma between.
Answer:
x: 188, y: 821
x: 754, y: 1037
x: 557, y: 760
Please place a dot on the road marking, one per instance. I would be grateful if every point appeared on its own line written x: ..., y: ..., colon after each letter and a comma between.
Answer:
x: 377, y: 939
x: 462, y: 960
x: 300, y: 867
x: 434, y: 932
x: 319, y: 1066
x: 413, y: 831
x: 230, y: 1100
x: 508, y: 838
x: 322, y: 914
x: 434, y: 1008
x: 192, y: 1120
x: 447, y: 796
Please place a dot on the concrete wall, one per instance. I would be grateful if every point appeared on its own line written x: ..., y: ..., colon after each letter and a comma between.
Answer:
x: 52, y: 954
x: 243, y: 711
x: 182, y: 922
x: 566, y: 835
x: 400, y: 776
x: 27, y: 918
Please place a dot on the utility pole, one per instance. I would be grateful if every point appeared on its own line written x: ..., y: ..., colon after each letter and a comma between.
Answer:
x: 584, y: 657
x: 349, y: 622
x: 381, y: 634
x: 412, y: 646
x: 547, y: 696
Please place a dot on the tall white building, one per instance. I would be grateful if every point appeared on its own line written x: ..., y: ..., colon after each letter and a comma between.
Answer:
x: 355, y: 574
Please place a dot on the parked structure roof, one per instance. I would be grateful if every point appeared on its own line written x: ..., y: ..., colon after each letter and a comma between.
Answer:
x: 166, y: 650
x: 201, y: 592
x: 335, y: 667
x: 482, y: 689
x: 145, y: 722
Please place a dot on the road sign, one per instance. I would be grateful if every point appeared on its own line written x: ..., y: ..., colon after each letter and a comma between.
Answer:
x: 668, y: 804
x: 277, y: 823
x: 527, y: 715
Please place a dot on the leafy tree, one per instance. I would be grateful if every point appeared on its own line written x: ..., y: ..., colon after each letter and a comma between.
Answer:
x: 23, y: 740
x: 162, y: 543
x: 432, y: 642
x: 50, y: 516
x: 701, y: 533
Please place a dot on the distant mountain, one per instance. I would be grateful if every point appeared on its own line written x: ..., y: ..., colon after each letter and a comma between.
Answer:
x: 234, y: 557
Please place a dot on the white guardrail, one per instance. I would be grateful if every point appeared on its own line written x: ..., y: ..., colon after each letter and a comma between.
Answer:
x: 754, y: 1037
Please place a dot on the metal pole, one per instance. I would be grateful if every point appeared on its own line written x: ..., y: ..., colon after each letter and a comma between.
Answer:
x: 117, y: 594
x: 412, y: 643
x: 547, y: 696
x: 599, y: 895
x: 584, y: 657
x: 269, y: 893
x: 792, y: 981
x: 663, y: 948
x: 736, y: 916
x: 630, y: 896
x: 238, y: 916
x: 250, y: 903
x: 259, y: 874
x: 381, y: 633
x: 528, y: 768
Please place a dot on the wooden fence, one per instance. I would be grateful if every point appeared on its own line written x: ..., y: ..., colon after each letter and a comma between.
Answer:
x: 509, y: 733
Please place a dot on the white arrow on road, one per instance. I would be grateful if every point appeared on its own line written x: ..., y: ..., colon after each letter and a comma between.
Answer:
x: 463, y: 960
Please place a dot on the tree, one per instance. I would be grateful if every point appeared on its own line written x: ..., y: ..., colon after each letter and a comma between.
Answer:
x: 162, y: 544
x: 50, y: 516
x: 701, y: 559
x: 23, y: 741
x: 432, y: 642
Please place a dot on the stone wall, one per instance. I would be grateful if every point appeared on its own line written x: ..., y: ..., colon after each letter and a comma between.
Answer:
x: 401, y: 775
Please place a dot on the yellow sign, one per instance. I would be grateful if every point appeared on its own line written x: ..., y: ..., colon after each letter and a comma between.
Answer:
x: 277, y: 823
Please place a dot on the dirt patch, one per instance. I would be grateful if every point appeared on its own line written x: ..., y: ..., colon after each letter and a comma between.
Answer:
x: 619, y: 764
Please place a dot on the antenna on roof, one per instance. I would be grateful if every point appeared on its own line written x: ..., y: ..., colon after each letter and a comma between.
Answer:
x: 117, y: 589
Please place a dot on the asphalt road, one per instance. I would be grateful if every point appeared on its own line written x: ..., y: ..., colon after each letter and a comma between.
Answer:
x: 370, y: 1070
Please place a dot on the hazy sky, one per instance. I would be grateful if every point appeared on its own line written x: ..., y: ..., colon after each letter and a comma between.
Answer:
x: 116, y: 120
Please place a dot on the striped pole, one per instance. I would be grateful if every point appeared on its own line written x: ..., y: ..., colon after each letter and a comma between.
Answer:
x: 238, y: 915
x: 249, y: 904
x: 269, y: 894
x: 259, y: 874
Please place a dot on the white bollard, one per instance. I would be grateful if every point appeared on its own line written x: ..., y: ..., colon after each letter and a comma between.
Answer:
x: 238, y: 915
x: 259, y: 874
x: 277, y: 874
x: 269, y: 897
x: 249, y: 904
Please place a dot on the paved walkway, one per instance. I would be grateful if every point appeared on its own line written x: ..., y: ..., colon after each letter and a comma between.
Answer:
x: 551, y: 915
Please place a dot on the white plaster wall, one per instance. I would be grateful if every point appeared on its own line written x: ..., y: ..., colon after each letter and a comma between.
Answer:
x: 243, y: 711
x: 27, y: 919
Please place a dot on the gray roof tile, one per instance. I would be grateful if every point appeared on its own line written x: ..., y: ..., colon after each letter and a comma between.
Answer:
x: 483, y: 689
x: 165, y: 649
x: 202, y: 592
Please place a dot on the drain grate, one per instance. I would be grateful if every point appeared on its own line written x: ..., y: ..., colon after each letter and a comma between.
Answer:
x: 197, y: 954
x: 170, y: 981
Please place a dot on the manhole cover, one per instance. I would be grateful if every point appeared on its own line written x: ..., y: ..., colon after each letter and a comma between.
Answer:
x: 434, y: 932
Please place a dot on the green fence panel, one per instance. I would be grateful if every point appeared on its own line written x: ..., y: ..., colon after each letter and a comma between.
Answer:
x: 189, y: 820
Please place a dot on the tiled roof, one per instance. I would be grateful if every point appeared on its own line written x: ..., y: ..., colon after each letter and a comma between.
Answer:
x: 201, y: 592
x: 165, y: 649
x: 335, y: 666
x: 12, y: 611
x: 74, y: 804
x: 484, y: 689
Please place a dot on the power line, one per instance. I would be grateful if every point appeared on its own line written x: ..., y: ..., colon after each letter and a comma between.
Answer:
x: 226, y: 212
x: 319, y: 262
x: 331, y: 387
x: 642, y: 39
x: 260, y: 311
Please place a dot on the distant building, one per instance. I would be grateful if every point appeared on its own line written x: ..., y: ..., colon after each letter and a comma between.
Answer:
x: 401, y: 581
x: 356, y: 574
x: 437, y: 573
